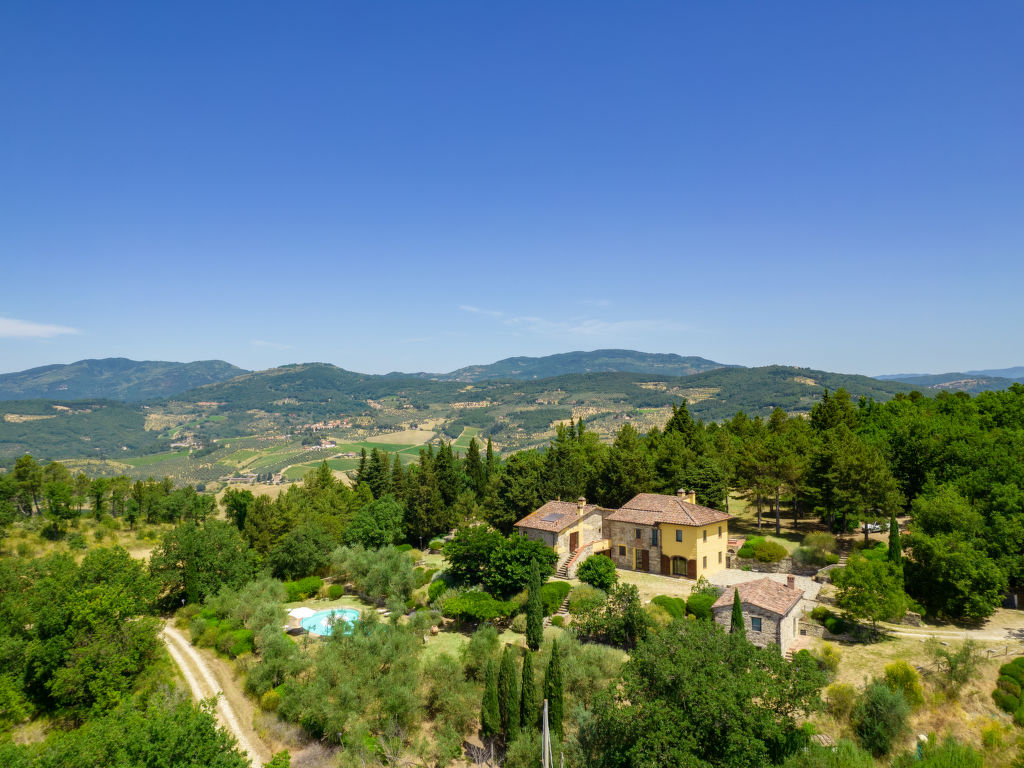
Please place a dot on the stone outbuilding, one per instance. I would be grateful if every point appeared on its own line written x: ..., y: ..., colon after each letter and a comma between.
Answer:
x: 770, y: 612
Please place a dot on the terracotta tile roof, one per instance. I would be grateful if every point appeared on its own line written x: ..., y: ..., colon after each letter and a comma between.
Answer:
x: 765, y: 594
x: 560, y: 514
x: 652, y: 508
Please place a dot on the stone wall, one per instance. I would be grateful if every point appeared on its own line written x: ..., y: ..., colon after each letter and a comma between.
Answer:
x: 624, y: 534
x: 785, y: 565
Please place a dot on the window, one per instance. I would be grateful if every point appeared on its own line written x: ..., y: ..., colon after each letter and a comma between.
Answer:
x: 705, y: 561
x: 679, y: 534
x: 678, y: 566
x: 705, y: 534
x: 755, y: 623
x: 719, y: 531
x: 719, y: 557
x: 654, y: 537
x: 622, y: 551
x: 637, y: 531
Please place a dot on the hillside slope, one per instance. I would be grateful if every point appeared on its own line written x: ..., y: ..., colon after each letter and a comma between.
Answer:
x: 597, y: 361
x: 113, y: 378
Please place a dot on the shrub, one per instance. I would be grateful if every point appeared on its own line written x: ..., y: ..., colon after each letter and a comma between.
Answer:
x: 414, y: 555
x: 558, y: 621
x: 404, y: 547
x: 480, y: 649
x: 436, y: 544
x: 819, y: 613
x: 700, y: 606
x: 598, y: 571
x: 769, y: 552
x: 1006, y: 701
x: 270, y: 700
x: 674, y: 606
x: 808, y: 556
x: 552, y: 594
x: 477, y: 606
x: 436, y: 589
x: 518, y: 623
x: 828, y: 657
x: 1018, y: 716
x: 208, y: 638
x: 1014, y: 669
x: 820, y: 540
x: 76, y: 541
x: 335, y: 591
x: 747, y: 550
x: 303, y: 588
x: 904, y: 679
x: 840, y: 700
x: 658, y: 615
x: 880, y: 718
x: 585, y: 597
x: 241, y: 642
x: 1009, y: 685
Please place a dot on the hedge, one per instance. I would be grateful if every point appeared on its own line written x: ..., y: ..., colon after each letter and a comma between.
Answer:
x: 552, y: 594
x: 1005, y: 701
x: 700, y: 605
x: 1009, y: 685
x: 674, y: 606
x: 747, y: 550
x: 335, y: 591
x: 477, y: 606
x: 303, y: 588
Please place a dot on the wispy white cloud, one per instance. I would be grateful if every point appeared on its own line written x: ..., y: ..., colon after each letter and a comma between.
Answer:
x: 268, y: 344
x: 578, y: 327
x: 478, y: 311
x: 26, y: 329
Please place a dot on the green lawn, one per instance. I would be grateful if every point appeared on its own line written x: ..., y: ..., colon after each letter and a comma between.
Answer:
x: 462, y: 443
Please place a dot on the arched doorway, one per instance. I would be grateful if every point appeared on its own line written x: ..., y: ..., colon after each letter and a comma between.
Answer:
x: 678, y: 566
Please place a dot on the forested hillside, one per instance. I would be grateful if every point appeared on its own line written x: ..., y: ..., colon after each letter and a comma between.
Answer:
x: 598, y: 361
x: 114, y: 378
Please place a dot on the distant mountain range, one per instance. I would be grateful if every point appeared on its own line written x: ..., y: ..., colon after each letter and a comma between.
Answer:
x: 966, y: 381
x: 598, y: 361
x: 113, y: 378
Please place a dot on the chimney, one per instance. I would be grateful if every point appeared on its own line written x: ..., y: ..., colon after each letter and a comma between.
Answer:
x: 581, y: 502
x: 791, y: 581
x: 690, y: 497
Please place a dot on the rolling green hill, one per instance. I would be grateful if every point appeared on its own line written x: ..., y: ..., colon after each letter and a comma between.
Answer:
x: 113, y: 378
x: 289, y: 401
x: 598, y: 361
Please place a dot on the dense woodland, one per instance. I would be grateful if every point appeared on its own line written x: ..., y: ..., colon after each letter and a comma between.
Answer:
x: 79, y: 647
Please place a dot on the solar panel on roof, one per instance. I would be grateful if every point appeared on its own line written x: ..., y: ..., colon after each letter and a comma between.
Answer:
x: 551, y: 517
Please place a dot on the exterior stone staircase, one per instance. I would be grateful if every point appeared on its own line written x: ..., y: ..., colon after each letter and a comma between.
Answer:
x: 563, y: 611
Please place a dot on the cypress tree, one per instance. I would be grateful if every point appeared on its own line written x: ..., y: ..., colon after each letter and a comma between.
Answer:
x: 534, y: 610
x: 491, y: 461
x: 553, y: 692
x: 895, y: 545
x: 528, y: 694
x: 508, y: 695
x: 474, y: 467
x: 736, y: 626
x: 490, y: 712
x: 361, y: 472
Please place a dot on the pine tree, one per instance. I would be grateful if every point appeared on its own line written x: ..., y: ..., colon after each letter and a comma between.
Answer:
x: 399, y: 483
x: 895, y: 545
x: 534, y: 609
x: 528, y: 694
x: 490, y: 712
x: 553, y: 692
x: 508, y: 695
x: 736, y: 627
x: 361, y: 472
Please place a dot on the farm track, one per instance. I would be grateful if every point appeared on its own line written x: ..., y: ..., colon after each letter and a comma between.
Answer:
x: 204, y: 683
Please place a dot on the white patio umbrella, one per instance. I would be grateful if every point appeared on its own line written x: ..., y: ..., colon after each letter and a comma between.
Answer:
x: 296, y: 615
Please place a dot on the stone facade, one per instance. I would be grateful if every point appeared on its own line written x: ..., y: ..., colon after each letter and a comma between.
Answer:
x: 775, y: 629
x: 623, y: 537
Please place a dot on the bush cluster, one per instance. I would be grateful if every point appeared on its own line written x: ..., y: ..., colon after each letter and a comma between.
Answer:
x: 770, y: 552
x: 837, y: 625
x: 303, y: 589
x: 584, y: 598
x: 673, y: 606
x: 227, y: 635
x: 1007, y: 694
x: 552, y: 594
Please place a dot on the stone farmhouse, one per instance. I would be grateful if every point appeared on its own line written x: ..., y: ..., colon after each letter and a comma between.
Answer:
x: 770, y: 612
x: 655, y: 533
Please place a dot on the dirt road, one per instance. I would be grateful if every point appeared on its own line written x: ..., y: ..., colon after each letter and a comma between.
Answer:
x: 205, y: 683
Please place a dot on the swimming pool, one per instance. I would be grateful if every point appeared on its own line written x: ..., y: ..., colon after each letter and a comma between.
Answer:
x: 324, y: 622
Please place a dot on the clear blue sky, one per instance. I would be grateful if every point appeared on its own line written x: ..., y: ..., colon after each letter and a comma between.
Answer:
x: 425, y: 185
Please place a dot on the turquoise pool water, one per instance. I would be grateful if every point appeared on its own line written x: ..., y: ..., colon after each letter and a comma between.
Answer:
x: 324, y: 622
